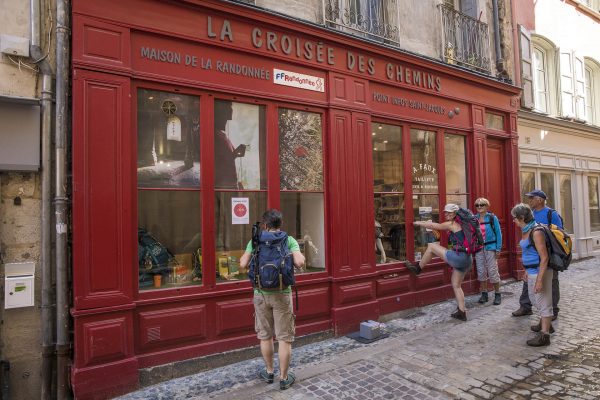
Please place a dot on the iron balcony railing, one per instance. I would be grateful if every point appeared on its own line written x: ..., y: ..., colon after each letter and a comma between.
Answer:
x: 465, y: 40
x: 375, y: 20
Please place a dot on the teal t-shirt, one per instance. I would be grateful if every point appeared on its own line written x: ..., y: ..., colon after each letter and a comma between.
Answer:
x: 293, y: 246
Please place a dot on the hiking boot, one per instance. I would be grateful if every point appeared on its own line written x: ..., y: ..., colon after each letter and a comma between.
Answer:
x: 541, y: 339
x: 286, y: 383
x: 266, y: 376
x: 521, y: 312
x: 414, y: 268
x: 497, y: 299
x: 484, y: 298
x: 460, y: 315
x: 538, y: 327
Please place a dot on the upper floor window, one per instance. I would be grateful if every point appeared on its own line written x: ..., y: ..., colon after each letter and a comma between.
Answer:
x: 592, y: 91
x: 373, y: 19
x: 540, y: 80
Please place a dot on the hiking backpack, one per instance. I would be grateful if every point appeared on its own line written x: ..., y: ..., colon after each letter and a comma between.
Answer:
x: 271, y: 265
x: 473, y: 239
x: 558, y: 243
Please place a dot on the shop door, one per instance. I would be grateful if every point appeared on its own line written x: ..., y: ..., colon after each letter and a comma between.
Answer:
x: 495, y: 182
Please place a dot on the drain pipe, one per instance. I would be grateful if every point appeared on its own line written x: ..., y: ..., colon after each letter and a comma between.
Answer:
x: 496, y: 20
x: 60, y: 198
x: 43, y: 64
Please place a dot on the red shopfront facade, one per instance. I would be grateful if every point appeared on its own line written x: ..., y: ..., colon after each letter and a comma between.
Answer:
x: 191, y: 118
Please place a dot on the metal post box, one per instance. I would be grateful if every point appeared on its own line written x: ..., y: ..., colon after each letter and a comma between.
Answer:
x: 19, y: 284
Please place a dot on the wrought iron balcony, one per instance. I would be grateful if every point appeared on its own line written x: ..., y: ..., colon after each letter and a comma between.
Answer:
x: 465, y: 40
x: 375, y: 20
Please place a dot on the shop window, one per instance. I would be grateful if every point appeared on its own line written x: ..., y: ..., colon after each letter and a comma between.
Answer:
x: 527, y: 184
x: 424, y: 185
x: 301, y: 183
x: 547, y: 185
x: 240, y: 164
x: 594, y: 205
x: 456, y: 169
x: 566, y: 201
x: 388, y: 184
x: 168, y: 180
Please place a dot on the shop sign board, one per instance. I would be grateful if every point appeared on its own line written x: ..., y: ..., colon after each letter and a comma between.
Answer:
x: 297, y: 80
x: 240, y: 210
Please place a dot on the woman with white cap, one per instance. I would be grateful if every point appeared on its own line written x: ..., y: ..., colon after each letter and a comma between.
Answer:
x: 460, y: 262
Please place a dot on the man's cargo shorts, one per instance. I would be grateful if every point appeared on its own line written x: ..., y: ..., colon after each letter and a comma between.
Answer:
x: 274, y: 316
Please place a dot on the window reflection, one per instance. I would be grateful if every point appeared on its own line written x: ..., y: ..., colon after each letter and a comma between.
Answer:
x: 527, y: 184
x: 301, y: 183
x: 594, y: 203
x: 547, y: 185
x: 456, y: 169
x: 566, y: 201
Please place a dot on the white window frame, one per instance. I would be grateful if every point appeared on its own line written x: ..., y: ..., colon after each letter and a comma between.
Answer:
x: 539, y: 91
x: 592, y: 94
x: 587, y: 198
x: 556, y: 193
x: 551, y: 74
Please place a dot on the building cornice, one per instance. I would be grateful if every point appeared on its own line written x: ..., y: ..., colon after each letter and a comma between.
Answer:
x: 535, y: 120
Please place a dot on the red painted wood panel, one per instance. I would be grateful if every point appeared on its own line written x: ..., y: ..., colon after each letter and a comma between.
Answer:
x: 100, y: 43
x: 105, y: 341
x: 103, y: 235
x: 394, y: 285
x: 312, y: 304
x: 355, y: 292
x: 172, y: 325
x: 234, y: 316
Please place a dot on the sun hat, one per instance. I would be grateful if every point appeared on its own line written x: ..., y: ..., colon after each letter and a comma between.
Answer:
x: 450, y: 207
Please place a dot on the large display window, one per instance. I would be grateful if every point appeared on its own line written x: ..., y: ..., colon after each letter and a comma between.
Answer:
x: 170, y: 249
x: 301, y: 183
x: 168, y: 181
x: 388, y: 187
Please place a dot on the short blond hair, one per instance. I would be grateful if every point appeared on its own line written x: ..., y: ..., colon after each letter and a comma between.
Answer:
x: 483, y: 200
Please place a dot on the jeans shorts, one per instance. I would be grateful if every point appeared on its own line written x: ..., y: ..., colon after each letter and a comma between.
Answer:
x: 274, y: 316
x: 460, y: 261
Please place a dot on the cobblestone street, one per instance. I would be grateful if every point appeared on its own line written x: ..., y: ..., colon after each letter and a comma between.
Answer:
x: 430, y: 356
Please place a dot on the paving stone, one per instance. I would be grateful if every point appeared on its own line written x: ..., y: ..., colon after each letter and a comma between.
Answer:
x: 429, y: 356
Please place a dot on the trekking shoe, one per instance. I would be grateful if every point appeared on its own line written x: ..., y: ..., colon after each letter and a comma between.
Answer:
x: 521, y: 312
x: 286, y: 383
x: 484, y: 298
x: 414, y: 268
x: 460, y: 315
x: 541, y: 339
x: 497, y: 299
x: 265, y: 376
x: 538, y: 327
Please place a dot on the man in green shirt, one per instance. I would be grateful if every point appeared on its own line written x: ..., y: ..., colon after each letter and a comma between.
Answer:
x: 273, y: 309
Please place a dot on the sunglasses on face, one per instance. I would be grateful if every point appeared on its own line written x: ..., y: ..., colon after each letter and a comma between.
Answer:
x: 480, y: 205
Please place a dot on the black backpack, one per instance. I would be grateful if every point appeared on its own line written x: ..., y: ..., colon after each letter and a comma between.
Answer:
x: 473, y: 239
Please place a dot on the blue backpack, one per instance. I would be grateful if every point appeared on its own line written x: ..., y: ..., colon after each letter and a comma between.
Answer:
x: 271, y: 265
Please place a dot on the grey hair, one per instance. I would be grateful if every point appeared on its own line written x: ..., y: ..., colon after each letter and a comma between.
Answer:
x: 522, y: 211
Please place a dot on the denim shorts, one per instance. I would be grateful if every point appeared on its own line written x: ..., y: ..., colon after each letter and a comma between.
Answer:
x: 458, y: 260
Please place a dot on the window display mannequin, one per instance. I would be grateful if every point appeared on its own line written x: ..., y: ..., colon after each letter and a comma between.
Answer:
x: 378, y: 243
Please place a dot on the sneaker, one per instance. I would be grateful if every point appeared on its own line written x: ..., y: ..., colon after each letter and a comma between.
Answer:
x: 265, y: 376
x: 541, y: 339
x: 484, y: 298
x: 460, y: 315
x: 538, y: 327
x: 286, y: 383
x: 414, y: 268
x: 521, y: 312
x: 497, y: 299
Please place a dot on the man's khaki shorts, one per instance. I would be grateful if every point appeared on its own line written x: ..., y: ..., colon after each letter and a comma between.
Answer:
x: 274, y: 316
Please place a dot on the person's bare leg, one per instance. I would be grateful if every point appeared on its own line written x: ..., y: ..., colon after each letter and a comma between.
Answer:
x: 285, y: 355
x: 433, y: 249
x: 457, y: 280
x: 266, y: 349
x: 546, y: 323
x: 497, y: 287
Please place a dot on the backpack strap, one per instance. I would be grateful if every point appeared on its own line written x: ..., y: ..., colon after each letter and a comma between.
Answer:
x: 550, y: 211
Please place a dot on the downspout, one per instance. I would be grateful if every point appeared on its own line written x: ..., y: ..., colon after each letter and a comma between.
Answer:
x: 496, y: 32
x: 60, y: 198
x: 43, y: 64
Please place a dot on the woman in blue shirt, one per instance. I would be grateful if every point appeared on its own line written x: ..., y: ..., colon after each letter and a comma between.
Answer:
x: 539, y: 277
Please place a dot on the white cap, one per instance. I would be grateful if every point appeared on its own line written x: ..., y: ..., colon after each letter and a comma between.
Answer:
x: 451, y: 208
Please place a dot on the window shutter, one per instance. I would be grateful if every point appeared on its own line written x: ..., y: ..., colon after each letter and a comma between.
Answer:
x: 526, y: 68
x: 567, y: 95
x: 580, y: 100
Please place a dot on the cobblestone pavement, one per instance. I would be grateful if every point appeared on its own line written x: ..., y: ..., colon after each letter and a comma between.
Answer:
x: 430, y: 356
